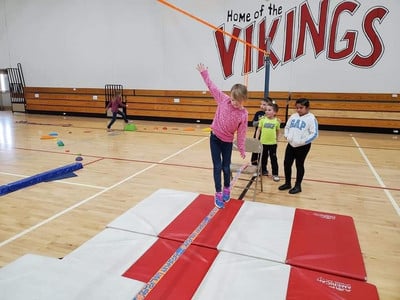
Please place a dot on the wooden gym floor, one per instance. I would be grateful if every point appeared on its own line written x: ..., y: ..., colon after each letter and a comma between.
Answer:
x: 354, y: 174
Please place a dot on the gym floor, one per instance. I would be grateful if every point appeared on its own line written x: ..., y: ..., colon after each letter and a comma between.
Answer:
x: 349, y: 173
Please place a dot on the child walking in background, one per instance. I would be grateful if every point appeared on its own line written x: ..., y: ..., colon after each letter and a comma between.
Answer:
x: 258, y: 115
x: 115, y: 104
x: 300, y: 130
x: 230, y: 117
x: 268, y: 132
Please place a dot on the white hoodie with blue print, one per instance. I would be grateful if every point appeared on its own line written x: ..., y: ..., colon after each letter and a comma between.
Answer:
x: 301, y: 130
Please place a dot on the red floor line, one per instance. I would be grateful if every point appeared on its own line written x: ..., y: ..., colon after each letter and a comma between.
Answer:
x: 98, y: 128
x: 120, y: 159
x: 97, y: 160
x: 354, y: 184
x: 195, y: 135
x: 207, y: 168
x: 344, y: 146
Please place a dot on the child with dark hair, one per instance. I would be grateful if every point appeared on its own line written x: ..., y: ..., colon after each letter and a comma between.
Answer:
x: 115, y: 104
x: 300, y: 131
x: 258, y: 115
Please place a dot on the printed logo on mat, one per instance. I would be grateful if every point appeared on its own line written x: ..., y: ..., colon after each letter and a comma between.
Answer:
x: 325, y: 216
x: 339, y: 286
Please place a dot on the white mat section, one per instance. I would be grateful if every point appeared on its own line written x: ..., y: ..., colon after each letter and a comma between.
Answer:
x: 233, y: 276
x: 24, y: 265
x: 155, y: 212
x: 32, y: 277
x: 260, y: 230
x: 112, y: 251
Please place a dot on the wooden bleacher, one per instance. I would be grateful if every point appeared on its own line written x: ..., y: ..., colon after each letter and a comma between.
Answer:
x: 370, y: 112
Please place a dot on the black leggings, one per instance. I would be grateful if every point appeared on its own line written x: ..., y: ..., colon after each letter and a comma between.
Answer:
x: 270, y: 151
x: 114, y: 118
x: 299, y: 154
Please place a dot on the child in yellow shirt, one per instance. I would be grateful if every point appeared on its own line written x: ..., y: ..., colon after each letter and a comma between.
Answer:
x: 268, y: 132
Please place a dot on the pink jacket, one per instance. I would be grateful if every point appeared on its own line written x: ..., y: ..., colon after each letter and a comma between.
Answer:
x: 115, y: 104
x: 227, y: 119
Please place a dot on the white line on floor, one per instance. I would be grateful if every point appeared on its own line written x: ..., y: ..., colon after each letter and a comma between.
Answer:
x: 378, y: 178
x: 59, y: 181
x: 94, y: 196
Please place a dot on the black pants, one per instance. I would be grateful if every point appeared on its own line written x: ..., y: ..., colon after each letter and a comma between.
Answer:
x: 254, y: 158
x: 114, y: 117
x: 270, y: 151
x: 299, y: 155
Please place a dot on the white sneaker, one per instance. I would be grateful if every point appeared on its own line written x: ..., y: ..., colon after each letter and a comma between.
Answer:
x: 275, y: 178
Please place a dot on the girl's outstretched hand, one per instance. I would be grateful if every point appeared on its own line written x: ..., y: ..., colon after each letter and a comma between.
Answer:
x: 201, y: 67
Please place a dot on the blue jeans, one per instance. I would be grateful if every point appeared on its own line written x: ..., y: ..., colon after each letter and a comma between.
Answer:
x: 114, y: 118
x: 221, y: 153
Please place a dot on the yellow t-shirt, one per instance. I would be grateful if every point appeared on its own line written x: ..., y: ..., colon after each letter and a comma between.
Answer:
x: 269, y: 130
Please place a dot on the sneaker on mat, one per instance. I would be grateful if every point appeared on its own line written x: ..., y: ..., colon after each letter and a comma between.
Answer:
x: 218, y: 200
x: 226, y: 194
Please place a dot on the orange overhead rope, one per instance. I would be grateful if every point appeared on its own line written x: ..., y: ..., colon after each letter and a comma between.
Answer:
x: 247, y: 63
x: 211, y: 25
x: 166, y: 3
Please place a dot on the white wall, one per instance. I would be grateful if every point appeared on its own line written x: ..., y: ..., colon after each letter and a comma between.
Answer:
x: 5, y: 101
x: 145, y: 44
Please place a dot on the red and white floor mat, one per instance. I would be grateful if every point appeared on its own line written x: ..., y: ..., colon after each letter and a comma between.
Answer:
x: 309, y: 239
x: 247, y: 250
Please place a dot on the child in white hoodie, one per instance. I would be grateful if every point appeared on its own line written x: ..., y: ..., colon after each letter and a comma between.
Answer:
x: 300, y: 130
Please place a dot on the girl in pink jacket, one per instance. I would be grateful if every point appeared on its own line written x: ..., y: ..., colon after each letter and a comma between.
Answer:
x: 230, y: 117
x: 115, y: 104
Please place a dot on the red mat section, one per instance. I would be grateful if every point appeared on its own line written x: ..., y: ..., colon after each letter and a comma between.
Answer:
x: 307, y: 284
x: 182, y: 279
x: 327, y: 243
x: 186, y: 222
